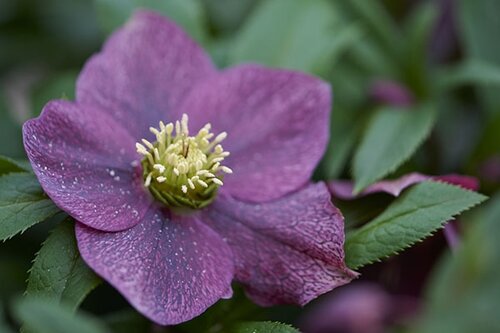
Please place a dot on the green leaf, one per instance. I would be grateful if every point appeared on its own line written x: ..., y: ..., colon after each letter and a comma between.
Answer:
x: 226, y: 16
x: 347, y: 119
x: 360, y: 211
x: 59, y: 86
x: 59, y: 272
x: 127, y: 321
x: 392, y: 136
x: 464, y: 293
x: 378, y: 21
x: 486, y: 150
x: 46, y: 316
x: 265, y: 327
x: 338, y: 151
x: 298, y: 34
x: 418, y: 28
x: 187, y: 13
x: 479, y: 26
x: 4, y: 328
x: 224, y: 315
x: 10, y: 131
x: 469, y: 72
x: 8, y: 165
x: 418, y: 213
x: 22, y: 204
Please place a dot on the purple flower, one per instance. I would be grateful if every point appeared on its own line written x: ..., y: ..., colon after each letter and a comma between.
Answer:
x: 167, y: 215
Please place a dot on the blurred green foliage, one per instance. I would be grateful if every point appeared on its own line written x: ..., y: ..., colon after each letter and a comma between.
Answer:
x: 464, y: 293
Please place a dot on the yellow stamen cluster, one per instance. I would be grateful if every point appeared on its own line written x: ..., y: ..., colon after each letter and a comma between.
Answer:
x: 182, y: 170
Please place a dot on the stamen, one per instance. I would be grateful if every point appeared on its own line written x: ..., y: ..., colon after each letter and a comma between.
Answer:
x: 147, y: 182
x: 218, y: 159
x: 141, y: 149
x: 169, y: 128
x: 159, y: 167
x: 148, y: 144
x: 178, y: 128
x: 215, y: 166
x: 202, y: 183
x: 217, y: 181
x: 218, y: 149
x: 155, y: 132
x: 184, y: 123
x: 226, y: 169
x: 157, y: 154
x: 220, y: 137
x: 182, y: 167
x: 187, y: 167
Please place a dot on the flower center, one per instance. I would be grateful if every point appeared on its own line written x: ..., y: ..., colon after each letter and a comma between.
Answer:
x: 182, y: 170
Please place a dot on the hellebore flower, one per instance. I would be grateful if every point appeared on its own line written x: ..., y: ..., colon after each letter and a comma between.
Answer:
x: 167, y: 215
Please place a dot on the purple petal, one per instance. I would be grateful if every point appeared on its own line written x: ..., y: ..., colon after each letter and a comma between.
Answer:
x: 82, y: 159
x: 452, y: 235
x: 170, y: 269
x: 466, y: 182
x: 143, y: 72
x: 343, y: 189
x: 286, y: 251
x: 277, y: 123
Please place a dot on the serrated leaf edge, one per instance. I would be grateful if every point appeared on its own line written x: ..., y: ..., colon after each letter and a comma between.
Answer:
x: 481, y: 198
x: 3, y: 240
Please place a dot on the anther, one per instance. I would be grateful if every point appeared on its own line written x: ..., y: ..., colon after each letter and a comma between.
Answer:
x: 157, y: 154
x: 141, y: 149
x: 217, y: 181
x: 159, y: 167
x: 169, y: 128
x: 147, y: 182
x: 178, y: 167
x: 202, y: 183
x: 184, y: 123
x: 220, y: 137
x: 148, y: 144
x: 227, y: 170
